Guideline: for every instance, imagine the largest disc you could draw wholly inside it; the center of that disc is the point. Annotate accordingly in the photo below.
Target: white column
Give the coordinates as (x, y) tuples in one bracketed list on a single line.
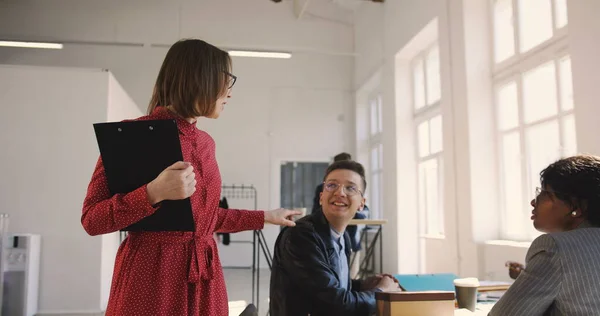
[(584, 26), (471, 175)]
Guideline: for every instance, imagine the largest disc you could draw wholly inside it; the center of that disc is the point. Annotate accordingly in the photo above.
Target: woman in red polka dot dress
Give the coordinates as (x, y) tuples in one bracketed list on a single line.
[(176, 273)]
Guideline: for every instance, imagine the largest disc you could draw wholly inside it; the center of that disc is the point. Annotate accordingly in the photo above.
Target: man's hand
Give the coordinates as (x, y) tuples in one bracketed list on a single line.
[(387, 283), (372, 282)]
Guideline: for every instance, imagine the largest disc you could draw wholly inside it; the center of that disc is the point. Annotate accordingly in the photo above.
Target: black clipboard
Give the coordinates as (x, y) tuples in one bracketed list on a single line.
[(135, 153)]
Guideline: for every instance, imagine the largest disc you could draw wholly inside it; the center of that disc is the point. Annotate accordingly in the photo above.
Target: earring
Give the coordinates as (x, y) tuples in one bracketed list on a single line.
[(574, 213)]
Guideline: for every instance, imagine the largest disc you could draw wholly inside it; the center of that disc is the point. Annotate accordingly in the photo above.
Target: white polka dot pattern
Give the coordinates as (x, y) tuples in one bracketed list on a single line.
[(168, 273)]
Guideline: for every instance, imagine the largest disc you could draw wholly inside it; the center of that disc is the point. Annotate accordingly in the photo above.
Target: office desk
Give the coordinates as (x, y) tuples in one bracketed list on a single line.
[(370, 250), (482, 309)]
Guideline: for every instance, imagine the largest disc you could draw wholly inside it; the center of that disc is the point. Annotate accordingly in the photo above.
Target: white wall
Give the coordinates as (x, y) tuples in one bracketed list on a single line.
[(48, 154), (382, 32), (585, 64), (120, 107), (471, 179), (369, 42)]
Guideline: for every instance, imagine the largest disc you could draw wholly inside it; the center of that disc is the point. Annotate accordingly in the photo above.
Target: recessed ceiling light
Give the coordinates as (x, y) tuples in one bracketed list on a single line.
[(244, 53), (31, 44)]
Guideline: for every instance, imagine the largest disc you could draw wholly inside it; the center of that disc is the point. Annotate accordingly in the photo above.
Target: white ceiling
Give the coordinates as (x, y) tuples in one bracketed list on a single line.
[(336, 11), (348, 4)]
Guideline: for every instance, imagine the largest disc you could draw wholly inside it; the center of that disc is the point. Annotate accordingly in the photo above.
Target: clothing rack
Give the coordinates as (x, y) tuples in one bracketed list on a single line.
[(259, 242)]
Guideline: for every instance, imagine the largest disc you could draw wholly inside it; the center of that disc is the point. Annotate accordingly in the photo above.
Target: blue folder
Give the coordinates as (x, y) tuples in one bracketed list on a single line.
[(427, 282)]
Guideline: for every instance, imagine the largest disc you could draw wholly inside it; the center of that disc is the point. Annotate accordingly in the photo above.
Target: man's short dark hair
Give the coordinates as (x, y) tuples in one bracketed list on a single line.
[(348, 165), (576, 181), (342, 156)]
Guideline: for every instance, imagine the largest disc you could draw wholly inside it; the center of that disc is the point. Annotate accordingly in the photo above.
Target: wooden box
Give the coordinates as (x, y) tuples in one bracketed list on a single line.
[(434, 303)]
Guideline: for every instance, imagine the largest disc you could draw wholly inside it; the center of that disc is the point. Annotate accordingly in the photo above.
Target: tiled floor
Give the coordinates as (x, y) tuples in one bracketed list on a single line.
[(239, 288)]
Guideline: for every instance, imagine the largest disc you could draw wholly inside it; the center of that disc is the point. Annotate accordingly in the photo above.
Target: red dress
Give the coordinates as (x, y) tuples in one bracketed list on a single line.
[(168, 273)]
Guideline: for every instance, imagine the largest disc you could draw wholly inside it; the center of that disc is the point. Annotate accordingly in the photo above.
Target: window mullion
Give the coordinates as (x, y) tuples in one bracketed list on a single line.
[(425, 79), (558, 75), (412, 86), (553, 11), (523, 141), (440, 200), (516, 27), (425, 208)]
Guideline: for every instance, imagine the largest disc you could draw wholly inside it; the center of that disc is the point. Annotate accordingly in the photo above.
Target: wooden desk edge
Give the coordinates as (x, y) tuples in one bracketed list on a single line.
[(368, 221)]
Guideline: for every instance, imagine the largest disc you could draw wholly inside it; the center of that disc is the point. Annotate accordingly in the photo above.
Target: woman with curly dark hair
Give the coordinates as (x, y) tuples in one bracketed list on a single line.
[(562, 273)]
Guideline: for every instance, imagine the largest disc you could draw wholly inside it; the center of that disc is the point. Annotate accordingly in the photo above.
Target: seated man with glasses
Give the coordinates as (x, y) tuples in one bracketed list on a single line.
[(310, 272)]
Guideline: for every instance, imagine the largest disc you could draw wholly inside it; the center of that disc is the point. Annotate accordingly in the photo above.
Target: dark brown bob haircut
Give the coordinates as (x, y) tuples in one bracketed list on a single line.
[(192, 77)]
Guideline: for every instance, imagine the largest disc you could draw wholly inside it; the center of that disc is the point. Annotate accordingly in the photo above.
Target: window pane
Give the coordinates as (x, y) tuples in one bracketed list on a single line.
[(422, 192), (428, 174), (560, 7), (380, 154), (440, 195), (504, 38), (434, 91), (423, 135), (539, 93), (543, 146), (374, 207), (432, 197), (508, 106), (418, 85), (535, 23), (373, 114), (435, 130), (362, 123), (380, 113), (569, 136), (374, 159), (512, 185), (566, 84), (380, 196)]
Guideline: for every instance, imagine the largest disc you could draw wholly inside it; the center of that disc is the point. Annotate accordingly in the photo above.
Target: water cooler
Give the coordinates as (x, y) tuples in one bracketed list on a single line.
[(21, 274)]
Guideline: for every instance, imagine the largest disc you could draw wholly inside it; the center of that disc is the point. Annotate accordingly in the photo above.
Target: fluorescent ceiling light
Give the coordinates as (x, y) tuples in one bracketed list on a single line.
[(31, 44), (244, 53)]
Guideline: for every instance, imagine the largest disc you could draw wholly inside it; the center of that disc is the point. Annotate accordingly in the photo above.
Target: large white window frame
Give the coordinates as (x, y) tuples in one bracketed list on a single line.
[(532, 92), (559, 30), (426, 100), (375, 180)]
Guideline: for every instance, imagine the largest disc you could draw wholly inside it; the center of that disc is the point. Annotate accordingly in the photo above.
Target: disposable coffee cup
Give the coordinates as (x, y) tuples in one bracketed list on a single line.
[(466, 293)]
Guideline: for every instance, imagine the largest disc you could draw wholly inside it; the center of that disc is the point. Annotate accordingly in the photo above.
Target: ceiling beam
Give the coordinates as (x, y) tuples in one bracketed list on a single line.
[(300, 7)]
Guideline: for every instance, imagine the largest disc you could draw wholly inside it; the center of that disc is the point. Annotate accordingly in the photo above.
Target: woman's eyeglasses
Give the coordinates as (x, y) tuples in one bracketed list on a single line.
[(231, 81), (539, 193)]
